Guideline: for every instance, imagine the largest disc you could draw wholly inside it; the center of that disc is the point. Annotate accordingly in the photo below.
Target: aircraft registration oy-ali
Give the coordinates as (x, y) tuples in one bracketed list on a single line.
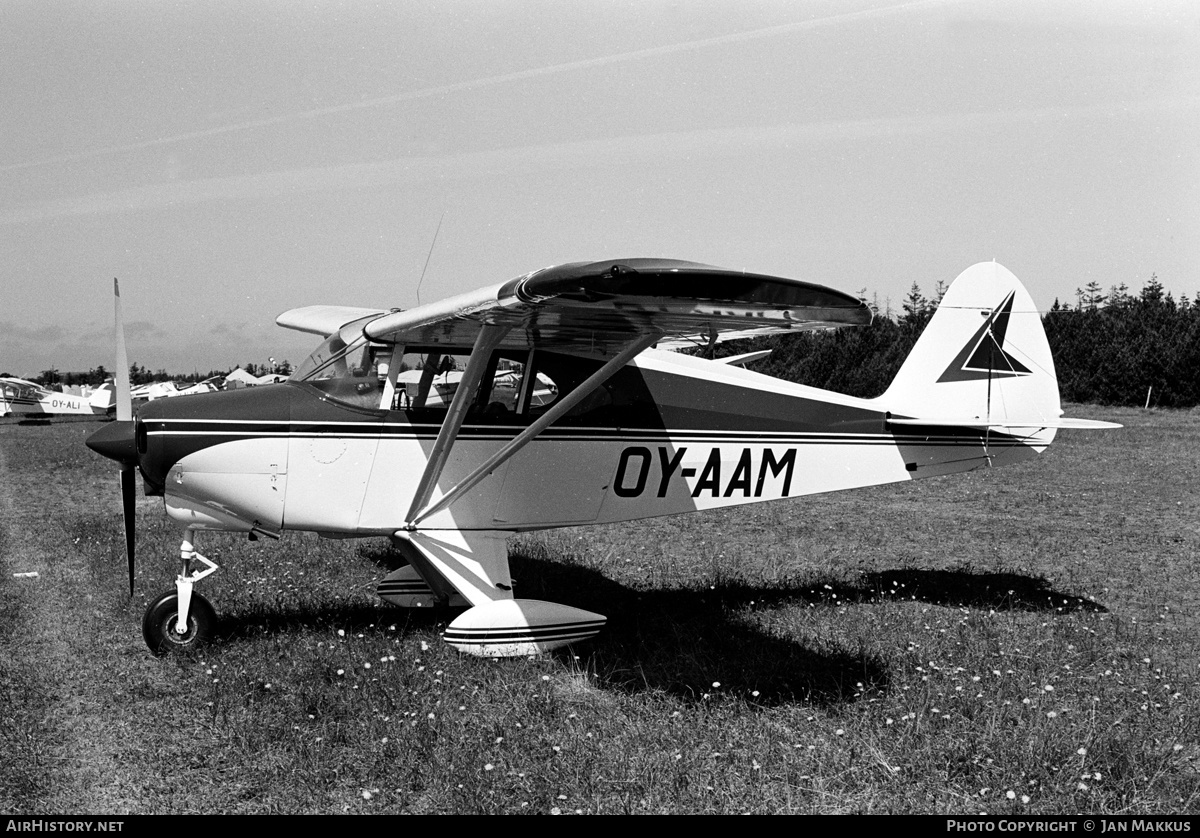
[(555, 400), (19, 397)]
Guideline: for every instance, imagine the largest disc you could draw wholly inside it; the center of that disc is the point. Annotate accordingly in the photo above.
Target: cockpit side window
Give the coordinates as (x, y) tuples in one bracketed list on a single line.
[(621, 401), (429, 378)]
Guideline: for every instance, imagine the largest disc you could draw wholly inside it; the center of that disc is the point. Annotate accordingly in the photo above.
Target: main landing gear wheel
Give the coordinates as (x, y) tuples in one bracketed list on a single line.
[(158, 626)]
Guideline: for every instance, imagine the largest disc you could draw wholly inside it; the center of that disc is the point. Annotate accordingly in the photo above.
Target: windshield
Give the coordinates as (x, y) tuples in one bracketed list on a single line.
[(347, 367)]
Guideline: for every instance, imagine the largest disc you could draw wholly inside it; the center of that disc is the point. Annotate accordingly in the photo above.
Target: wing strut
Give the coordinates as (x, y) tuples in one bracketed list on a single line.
[(489, 338), (557, 410)]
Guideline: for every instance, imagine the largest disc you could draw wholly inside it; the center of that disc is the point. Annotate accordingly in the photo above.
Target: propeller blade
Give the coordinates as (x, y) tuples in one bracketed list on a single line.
[(121, 374), (128, 510)]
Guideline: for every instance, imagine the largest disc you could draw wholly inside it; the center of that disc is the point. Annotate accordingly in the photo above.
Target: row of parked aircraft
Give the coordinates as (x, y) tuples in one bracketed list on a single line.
[(549, 401), (19, 397)]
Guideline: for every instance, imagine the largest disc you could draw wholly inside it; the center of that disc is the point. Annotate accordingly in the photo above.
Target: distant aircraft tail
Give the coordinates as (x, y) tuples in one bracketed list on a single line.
[(983, 361), (103, 398)]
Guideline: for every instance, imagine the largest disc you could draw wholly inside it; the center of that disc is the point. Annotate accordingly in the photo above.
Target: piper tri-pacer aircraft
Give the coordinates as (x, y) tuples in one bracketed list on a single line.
[(18, 396), (620, 430)]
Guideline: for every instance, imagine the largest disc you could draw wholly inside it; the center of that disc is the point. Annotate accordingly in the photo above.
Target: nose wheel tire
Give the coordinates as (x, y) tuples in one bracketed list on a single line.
[(162, 617)]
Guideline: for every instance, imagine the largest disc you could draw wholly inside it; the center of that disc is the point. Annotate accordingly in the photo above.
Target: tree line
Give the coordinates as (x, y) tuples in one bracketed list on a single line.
[(139, 375), (1113, 348)]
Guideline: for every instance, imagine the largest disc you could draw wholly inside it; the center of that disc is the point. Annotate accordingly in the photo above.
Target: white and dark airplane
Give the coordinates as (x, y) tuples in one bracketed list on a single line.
[(21, 397), (563, 413), (171, 389)]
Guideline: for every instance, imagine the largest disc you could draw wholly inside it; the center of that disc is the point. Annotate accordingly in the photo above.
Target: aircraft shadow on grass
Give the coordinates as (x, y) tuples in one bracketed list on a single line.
[(682, 641)]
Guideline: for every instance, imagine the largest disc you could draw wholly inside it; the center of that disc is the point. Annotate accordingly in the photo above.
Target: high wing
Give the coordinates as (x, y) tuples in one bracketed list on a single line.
[(602, 307), (322, 320)]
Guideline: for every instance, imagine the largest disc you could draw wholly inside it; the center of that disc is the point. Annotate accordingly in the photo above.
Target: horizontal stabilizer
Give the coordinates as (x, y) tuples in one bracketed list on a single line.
[(977, 422), (744, 358)]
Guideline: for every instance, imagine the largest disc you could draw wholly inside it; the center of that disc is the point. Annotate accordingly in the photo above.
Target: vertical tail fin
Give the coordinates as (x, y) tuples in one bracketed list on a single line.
[(983, 359)]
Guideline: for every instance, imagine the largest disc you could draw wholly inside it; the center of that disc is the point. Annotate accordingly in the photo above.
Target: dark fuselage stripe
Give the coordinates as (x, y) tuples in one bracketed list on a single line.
[(973, 440)]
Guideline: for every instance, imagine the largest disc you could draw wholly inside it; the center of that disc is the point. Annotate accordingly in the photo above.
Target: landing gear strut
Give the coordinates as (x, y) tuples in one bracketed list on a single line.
[(181, 620)]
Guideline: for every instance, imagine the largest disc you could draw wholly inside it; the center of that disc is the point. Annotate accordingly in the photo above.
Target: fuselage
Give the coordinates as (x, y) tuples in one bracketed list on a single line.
[(18, 396), (665, 435)]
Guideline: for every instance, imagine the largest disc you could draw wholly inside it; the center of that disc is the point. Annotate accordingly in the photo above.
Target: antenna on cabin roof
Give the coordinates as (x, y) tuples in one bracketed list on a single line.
[(427, 258)]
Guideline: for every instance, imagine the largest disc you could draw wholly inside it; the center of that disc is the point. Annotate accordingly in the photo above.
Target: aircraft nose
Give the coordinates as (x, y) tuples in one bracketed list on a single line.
[(117, 441)]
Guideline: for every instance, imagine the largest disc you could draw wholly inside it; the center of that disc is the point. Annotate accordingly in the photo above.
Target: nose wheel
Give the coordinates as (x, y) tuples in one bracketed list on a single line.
[(160, 626), (181, 620)]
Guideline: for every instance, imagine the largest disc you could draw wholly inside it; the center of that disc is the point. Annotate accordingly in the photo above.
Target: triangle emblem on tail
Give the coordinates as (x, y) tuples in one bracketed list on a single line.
[(983, 356)]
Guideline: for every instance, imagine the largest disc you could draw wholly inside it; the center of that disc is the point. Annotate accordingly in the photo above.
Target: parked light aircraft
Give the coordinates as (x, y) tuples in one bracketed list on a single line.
[(361, 442), (18, 396), (171, 389)]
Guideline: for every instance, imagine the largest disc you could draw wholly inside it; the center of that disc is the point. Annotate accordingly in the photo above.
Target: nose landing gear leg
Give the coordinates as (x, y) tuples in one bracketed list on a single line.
[(181, 619)]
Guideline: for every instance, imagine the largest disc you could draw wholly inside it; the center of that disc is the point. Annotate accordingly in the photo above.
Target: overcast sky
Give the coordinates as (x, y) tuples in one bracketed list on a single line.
[(230, 160)]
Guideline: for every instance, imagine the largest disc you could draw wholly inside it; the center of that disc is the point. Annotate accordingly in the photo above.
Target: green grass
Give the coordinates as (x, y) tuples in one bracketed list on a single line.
[(929, 647)]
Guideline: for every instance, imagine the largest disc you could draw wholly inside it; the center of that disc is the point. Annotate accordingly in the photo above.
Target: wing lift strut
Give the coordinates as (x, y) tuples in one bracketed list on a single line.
[(488, 339), (473, 564)]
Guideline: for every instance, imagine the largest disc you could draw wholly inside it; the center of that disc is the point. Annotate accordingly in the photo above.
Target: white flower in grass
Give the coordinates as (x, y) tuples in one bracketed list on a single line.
[(1010, 794), (488, 766)]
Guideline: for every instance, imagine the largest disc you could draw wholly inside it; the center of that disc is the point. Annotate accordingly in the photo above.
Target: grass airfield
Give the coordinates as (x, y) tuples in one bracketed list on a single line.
[(1013, 641)]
